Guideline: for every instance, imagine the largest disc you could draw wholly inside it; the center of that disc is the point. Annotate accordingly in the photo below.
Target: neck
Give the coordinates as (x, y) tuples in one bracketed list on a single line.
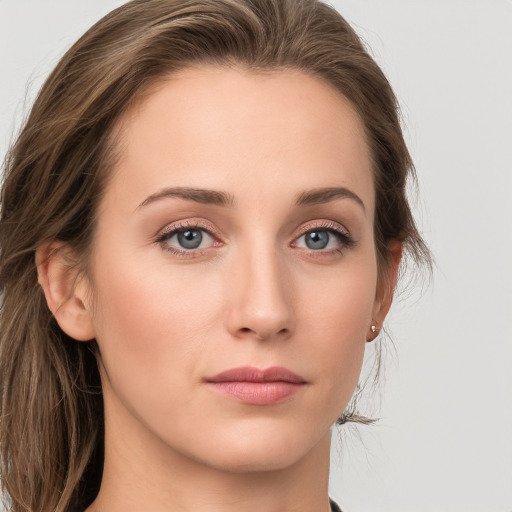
[(141, 475)]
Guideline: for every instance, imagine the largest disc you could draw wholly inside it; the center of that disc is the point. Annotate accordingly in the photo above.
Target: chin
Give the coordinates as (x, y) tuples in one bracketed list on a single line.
[(253, 461), (260, 450)]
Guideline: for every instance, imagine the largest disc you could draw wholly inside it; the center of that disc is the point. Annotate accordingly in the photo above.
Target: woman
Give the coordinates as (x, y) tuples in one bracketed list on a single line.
[(202, 225)]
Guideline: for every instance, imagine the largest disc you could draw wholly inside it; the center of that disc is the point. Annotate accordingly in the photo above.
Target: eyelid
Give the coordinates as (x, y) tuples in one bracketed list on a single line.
[(183, 225), (327, 225)]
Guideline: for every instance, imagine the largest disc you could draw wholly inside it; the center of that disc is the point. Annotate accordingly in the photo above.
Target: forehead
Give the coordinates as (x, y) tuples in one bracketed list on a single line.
[(214, 127)]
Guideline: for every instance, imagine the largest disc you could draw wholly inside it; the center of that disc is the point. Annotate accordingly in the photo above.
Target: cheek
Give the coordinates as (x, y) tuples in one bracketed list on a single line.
[(336, 317), (342, 301), (152, 326)]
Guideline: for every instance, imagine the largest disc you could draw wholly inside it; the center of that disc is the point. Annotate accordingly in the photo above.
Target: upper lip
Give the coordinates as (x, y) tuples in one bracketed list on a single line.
[(250, 374)]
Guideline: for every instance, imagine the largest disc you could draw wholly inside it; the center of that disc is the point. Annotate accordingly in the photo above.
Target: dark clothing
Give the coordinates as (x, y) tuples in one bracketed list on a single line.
[(334, 507)]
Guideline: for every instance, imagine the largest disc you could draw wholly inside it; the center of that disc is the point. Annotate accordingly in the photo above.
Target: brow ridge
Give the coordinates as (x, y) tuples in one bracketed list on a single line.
[(220, 198), (327, 194), (199, 195)]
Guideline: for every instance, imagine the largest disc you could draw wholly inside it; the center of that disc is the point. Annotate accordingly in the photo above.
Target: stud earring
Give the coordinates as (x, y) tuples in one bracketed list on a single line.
[(374, 333)]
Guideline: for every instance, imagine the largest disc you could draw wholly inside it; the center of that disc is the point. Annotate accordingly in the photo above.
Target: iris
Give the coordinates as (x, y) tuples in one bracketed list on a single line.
[(190, 239), (317, 239)]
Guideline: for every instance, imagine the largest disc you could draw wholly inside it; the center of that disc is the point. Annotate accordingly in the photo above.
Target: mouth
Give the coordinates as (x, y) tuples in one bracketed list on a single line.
[(257, 387)]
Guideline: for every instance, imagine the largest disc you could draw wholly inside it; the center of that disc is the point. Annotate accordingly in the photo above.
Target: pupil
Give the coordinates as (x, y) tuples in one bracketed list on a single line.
[(317, 239), (190, 239)]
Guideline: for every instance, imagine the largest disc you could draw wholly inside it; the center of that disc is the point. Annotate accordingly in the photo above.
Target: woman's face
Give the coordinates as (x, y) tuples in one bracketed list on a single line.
[(236, 234)]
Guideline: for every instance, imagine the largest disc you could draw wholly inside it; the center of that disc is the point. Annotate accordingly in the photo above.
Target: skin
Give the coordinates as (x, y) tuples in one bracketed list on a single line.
[(253, 294)]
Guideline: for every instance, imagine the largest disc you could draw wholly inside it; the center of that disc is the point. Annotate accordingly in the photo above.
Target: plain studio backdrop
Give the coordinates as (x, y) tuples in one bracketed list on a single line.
[(444, 443)]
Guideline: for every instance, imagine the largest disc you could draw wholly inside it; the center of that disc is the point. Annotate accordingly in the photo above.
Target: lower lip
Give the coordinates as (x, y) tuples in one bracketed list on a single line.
[(257, 393)]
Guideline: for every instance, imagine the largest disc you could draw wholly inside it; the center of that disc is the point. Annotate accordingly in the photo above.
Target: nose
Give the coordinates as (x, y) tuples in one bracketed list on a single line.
[(261, 298)]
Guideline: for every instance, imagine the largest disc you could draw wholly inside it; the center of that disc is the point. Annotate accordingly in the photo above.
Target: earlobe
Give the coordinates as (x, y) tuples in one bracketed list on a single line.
[(386, 289), (63, 291)]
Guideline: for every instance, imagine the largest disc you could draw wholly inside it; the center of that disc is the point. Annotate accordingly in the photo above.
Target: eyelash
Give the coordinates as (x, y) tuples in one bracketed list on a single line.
[(344, 237)]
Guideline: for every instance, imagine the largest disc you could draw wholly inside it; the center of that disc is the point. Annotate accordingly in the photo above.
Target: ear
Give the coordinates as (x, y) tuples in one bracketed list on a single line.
[(64, 291), (385, 289)]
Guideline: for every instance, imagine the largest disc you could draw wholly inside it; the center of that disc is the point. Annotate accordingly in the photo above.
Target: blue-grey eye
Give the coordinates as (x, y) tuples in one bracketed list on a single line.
[(317, 239), (183, 240), (190, 239)]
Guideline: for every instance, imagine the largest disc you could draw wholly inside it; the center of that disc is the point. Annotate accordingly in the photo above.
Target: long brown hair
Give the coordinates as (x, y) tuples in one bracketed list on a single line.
[(51, 430)]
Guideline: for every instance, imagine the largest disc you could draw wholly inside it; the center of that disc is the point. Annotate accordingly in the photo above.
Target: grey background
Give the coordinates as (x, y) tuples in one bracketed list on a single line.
[(445, 439)]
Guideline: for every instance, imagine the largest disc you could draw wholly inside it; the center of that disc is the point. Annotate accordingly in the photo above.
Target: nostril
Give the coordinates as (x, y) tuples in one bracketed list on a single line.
[(262, 334)]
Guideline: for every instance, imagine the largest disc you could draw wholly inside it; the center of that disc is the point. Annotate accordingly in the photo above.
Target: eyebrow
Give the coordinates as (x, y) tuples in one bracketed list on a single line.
[(327, 194), (199, 195), (219, 198)]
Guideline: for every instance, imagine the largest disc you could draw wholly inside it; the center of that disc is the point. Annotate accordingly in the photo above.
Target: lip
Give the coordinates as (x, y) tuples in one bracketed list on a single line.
[(257, 387)]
